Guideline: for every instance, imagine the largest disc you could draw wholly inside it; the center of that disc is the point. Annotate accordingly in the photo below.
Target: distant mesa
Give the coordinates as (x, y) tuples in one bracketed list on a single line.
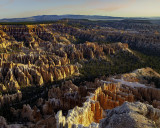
[(43, 18)]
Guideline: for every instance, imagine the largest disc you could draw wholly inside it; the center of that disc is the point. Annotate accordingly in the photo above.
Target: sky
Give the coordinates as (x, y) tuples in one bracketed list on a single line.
[(120, 8)]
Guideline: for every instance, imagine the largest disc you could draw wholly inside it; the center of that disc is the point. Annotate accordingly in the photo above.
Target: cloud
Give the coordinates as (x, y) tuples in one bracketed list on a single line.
[(116, 6)]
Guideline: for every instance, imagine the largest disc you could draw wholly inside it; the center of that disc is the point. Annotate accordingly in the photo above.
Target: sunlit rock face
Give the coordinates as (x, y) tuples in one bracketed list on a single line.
[(36, 55), (18, 75), (106, 96), (40, 54)]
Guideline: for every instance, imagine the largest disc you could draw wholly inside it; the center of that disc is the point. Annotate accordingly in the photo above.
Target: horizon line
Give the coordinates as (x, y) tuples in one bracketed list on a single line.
[(83, 15)]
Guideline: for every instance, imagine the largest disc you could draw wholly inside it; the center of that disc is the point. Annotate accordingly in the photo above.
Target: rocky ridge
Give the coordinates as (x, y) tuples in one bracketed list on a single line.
[(96, 101)]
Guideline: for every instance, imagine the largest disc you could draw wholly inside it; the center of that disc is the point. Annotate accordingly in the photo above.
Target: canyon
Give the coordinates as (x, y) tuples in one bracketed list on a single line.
[(45, 80)]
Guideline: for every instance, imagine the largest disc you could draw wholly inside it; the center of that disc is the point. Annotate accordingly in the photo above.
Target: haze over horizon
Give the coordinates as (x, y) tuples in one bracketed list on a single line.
[(120, 8)]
